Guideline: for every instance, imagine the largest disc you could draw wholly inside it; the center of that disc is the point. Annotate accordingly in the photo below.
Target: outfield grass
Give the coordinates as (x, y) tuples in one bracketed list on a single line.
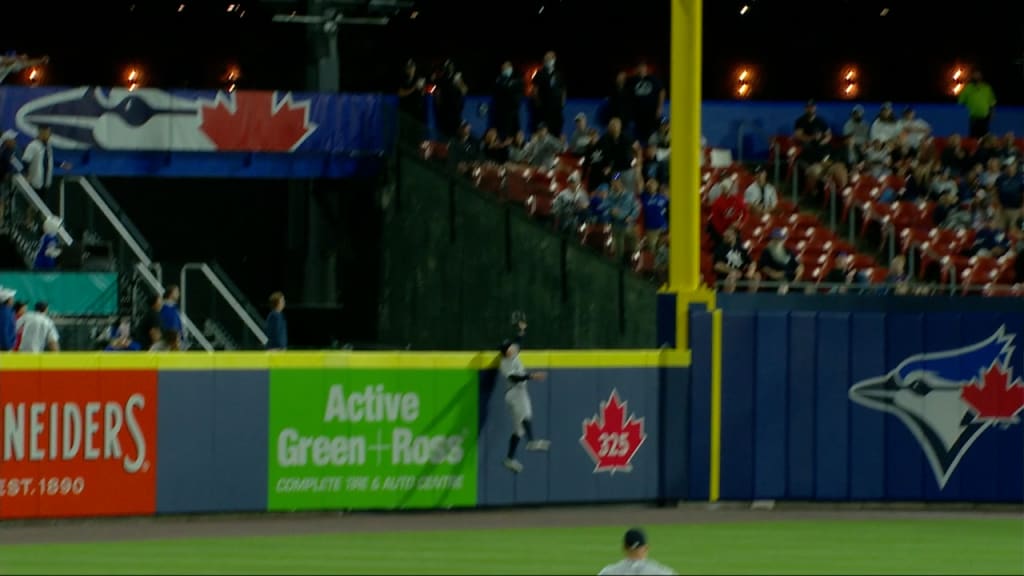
[(973, 546)]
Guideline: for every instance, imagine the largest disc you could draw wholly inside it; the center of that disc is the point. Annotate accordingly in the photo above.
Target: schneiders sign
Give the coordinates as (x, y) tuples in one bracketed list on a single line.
[(374, 405), (372, 439)]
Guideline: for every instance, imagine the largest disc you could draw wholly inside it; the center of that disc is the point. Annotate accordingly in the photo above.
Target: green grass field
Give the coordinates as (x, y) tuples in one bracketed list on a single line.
[(978, 546)]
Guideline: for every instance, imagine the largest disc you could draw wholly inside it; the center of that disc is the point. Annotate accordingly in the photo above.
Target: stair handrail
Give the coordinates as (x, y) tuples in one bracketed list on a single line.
[(157, 287), (41, 206), (219, 286)]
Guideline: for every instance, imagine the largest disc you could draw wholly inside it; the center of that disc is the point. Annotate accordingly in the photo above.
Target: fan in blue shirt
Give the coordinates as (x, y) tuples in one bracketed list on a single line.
[(655, 203)]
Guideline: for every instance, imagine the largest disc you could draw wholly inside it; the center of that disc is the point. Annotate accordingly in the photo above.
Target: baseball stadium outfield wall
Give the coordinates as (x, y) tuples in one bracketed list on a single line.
[(866, 398), (89, 434)]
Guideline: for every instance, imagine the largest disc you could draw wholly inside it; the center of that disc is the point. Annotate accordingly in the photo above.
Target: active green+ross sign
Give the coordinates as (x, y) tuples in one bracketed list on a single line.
[(372, 439)]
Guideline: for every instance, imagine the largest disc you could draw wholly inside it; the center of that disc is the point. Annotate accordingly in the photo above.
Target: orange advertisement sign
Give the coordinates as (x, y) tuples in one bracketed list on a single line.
[(77, 443)]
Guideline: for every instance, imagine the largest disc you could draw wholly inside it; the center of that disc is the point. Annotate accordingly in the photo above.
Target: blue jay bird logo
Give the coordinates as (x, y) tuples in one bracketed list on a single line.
[(948, 399)]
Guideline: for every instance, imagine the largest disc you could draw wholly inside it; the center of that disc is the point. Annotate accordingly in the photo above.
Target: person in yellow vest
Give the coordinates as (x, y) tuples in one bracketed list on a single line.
[(979, 99)]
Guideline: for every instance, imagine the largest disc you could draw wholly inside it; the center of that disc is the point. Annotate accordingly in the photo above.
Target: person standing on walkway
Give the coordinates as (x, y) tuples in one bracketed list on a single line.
[(979, 99), (277, 326)]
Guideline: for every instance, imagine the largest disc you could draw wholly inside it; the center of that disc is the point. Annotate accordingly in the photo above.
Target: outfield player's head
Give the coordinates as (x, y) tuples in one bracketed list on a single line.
[(635, 544), (509, 349)]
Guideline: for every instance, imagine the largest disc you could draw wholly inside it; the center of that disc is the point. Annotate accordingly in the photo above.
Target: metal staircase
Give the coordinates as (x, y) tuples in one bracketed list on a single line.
[(215, 315)]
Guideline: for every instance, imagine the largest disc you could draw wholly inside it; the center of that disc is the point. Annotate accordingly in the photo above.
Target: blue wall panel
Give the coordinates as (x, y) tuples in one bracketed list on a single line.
[(905, 465), (867, 427), (213, 441), (832, 406), (676, 434), (803, 364), (185, 433), (737, 471), (772, 362), (700, 406), (241, 403)]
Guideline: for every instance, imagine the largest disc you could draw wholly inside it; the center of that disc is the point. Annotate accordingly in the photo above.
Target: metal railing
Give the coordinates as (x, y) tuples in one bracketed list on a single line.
[(221, 287)]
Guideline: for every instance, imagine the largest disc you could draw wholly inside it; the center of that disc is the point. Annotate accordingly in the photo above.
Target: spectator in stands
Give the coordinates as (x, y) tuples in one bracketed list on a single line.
[(277, 325), (878, 159), (954, 156), (885, 127), (620, 103), (38, 332), (991, 239), (543, 148), (493, 148), (517, 149), (121, 340), (841, 275), (9, 166), (148, 331), (778, 263), (170, 341), (897, 280), (726, 211), (49, 246), (993, 170), (1010, 149), (506, 101), (979, 99), (463, 149), (856, 132), (988, 148), (572, 204), (613, 153), (20, 309), (647, 96), (951, 213), (8, 327), (761, 196), (583, 136), (914, 129), (659, 146), (14, 62), (549, 96), (411, 98), (655, 202), (600, 206), (943, 184), (170, 316), (38, 158), (732, 263), (450, 99), (623, 209), (727, 184), (814, 136), (1010, 187)]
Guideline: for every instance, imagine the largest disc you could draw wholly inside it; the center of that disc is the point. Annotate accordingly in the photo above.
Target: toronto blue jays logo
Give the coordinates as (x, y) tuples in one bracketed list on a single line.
[(949, 399)]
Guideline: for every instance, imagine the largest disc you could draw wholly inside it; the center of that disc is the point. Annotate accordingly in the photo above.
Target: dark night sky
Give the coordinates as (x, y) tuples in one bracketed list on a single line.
[(799, 46)]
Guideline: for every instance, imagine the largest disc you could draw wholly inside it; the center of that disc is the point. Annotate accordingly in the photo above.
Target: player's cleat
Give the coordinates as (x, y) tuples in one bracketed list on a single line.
[(513, 465), (538, 445)]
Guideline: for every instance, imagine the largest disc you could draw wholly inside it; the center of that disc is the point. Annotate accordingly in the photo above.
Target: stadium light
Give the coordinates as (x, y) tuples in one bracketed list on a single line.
[(745, 77), (34, 76), (849, 82), (958, 76), (133, 78)]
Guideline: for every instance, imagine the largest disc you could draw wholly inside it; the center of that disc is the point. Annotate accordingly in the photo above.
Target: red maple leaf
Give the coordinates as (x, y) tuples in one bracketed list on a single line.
[(610, 438), (996, 399), (251, 122)]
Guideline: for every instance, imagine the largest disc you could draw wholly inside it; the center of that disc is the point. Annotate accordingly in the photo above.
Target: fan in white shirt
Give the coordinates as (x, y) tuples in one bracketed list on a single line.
[(761, 195), (885, 128), (915, 129), (38, 333)]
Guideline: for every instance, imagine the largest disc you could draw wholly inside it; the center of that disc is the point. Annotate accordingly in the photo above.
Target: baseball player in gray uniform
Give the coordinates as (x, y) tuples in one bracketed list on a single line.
[(517, 398), (636, 561)]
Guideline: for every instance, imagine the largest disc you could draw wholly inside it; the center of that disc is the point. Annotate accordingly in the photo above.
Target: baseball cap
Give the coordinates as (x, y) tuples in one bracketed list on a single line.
[(505, 345), (8, 135), (858, 109), (581, 116), (7, 294), (635, 538), (886, 105)]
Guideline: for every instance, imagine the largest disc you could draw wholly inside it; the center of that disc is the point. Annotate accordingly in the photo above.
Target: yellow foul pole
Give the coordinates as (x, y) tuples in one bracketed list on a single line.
[(684, 162)]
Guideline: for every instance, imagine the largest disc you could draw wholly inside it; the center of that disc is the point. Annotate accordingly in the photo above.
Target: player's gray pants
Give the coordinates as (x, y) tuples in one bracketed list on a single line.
[(517, 400)]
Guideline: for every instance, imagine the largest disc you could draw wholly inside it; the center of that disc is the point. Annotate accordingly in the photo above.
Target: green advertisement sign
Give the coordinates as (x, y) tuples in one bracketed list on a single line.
[(372, 439)]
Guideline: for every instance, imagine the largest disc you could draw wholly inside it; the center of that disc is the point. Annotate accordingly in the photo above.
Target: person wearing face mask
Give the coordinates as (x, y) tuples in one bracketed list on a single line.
[(505, 103), (549, 96)]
